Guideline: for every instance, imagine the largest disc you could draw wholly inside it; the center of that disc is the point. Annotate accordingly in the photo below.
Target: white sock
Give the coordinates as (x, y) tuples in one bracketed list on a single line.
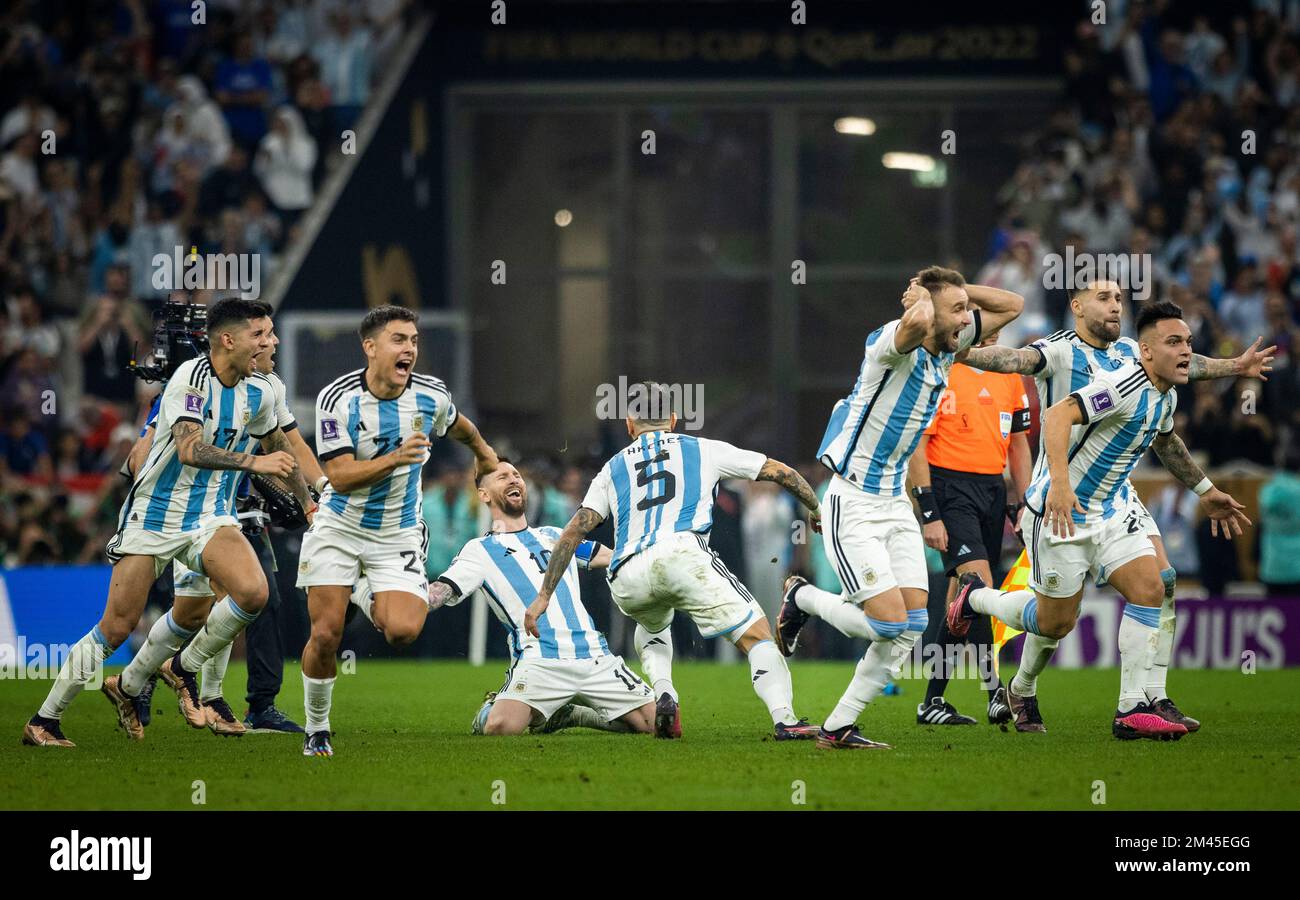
[(1019, 609), (656, 652), (1155, 686), (1034, 657), (165, 638), (846, 617), (364, 598), (1137, 651), (869, 679), (318, 693), (84, 665), (901, 650), (214, 671), (771, 679), (585, 717), (224, 624)]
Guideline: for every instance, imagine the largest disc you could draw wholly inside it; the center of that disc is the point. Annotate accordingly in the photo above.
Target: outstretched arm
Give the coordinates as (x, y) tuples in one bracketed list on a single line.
[(561, 554), (1225, 513), (798, 487), (1025, 361), (1253, 363), (464, 431)]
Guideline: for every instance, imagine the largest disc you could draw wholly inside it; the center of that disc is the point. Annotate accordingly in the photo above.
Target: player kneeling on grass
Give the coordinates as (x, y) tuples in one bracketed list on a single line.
[(1079, 519), (660, 490), (566, 659)]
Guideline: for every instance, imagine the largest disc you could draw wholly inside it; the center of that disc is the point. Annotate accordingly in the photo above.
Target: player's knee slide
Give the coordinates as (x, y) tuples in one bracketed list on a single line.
[(887, 630), (1169, 578)]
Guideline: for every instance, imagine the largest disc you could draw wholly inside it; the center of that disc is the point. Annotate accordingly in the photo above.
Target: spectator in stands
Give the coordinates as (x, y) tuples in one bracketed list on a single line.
[(284, 164), (226, 185), (18, 168), (107, 342), (29, 328), (206, 133), (24, 451), (345, 59), (1242, 308), (1279, 529), (243, 87)]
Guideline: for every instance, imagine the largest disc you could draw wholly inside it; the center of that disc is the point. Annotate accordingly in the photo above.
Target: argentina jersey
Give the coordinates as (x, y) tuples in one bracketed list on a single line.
[(874, 431), (168, 497), (1068, 364), (663, 483), (508, 567), (350, 419), (1122, 414)]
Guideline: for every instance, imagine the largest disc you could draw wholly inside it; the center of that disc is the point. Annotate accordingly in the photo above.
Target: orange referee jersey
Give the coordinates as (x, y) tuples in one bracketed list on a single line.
[(977, 416)]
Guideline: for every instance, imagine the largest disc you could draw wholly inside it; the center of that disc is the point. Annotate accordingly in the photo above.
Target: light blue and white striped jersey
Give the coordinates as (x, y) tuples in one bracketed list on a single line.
[(509, 567), (873, 432), (663, 483), (1122, 413), (350, 419), (169, 497), (1068, 364)]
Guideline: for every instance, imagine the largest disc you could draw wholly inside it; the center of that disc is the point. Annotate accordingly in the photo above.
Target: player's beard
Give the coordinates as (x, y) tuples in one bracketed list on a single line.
[(1104, 332), (512, 507)]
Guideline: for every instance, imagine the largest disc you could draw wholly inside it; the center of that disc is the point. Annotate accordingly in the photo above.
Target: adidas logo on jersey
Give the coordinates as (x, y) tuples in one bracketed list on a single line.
[(985, 397), (963, 551)]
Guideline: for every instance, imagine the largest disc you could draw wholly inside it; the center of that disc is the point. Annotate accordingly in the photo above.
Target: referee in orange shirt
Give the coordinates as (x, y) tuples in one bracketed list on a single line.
[(957, 478)]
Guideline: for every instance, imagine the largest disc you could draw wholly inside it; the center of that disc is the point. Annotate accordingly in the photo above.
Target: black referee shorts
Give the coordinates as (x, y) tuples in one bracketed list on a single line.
[(973, 509)]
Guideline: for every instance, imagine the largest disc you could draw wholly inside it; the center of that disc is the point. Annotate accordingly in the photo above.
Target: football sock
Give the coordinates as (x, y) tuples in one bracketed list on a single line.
[(656, 652), (317, 695), (224, 623), (214, 671), (1155, 686), (165, 638), (1034, 657), (948, 650), (1138, 630), (84, 664), (981, 635), (585, 717), (1019, 609), (364, 597), (847, 617), (869, 678), (771, 679)]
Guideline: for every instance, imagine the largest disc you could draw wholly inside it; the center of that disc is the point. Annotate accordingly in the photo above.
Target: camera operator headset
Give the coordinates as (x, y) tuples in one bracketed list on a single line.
[(179, 336)]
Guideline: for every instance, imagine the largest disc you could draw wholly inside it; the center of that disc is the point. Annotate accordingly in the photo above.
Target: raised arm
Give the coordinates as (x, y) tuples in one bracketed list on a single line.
[(561, 555), (997, 307), (464, 431), (1025, 361), (1253, 363), (918, 318), (797, 486), (1225, 513)]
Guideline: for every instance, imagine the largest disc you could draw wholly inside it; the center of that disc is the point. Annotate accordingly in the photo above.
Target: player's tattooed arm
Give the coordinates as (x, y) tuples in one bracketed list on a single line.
[(561, 554), (277, 442), (1253, 363), (441, 594), (1227, 516), (1025, 361), (778, 472), (193, 451)]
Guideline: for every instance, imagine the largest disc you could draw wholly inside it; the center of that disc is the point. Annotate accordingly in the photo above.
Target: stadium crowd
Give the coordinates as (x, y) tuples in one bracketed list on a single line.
[(1178, 138)]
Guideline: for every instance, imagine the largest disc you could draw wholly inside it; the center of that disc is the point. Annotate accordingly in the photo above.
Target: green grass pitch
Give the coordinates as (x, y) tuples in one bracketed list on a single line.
[(403, 742)]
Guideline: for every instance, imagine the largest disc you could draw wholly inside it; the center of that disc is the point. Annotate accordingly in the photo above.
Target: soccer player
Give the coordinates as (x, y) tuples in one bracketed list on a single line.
[(181, 506), (872, 538), (1066, 361), (566, 658), (194, 597), (372, 437), (660, 491), (1079, 517), (956, 475)]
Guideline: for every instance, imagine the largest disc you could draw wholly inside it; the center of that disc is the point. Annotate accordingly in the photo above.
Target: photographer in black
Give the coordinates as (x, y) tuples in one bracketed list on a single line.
[(259, 504)]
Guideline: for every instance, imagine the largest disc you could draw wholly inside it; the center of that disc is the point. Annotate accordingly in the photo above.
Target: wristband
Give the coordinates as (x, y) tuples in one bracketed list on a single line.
[(925, 499), (319, 487), (1203, 486)]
